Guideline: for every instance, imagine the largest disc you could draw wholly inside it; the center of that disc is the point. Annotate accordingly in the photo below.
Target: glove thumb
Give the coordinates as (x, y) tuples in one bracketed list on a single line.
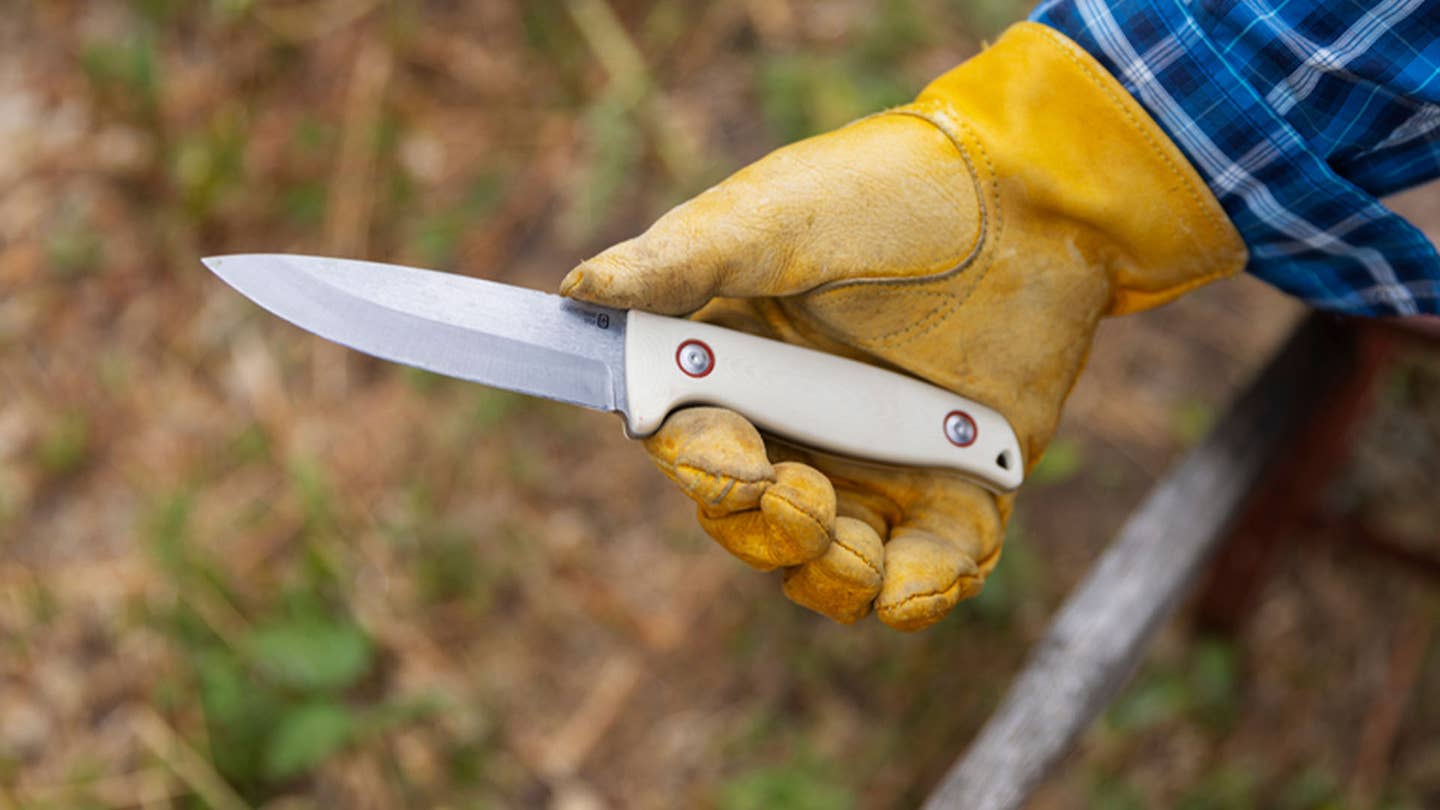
[(705, 248), (829, 208)]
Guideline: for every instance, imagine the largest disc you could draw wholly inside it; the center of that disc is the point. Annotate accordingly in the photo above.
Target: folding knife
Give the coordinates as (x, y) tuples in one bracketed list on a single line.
[(641, 365)]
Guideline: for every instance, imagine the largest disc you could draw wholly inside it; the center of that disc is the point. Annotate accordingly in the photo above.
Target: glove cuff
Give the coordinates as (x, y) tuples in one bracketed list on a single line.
[(1068, 140)]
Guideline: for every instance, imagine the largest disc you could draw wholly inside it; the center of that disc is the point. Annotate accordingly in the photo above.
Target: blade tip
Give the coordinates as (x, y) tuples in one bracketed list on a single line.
[(220, 263)]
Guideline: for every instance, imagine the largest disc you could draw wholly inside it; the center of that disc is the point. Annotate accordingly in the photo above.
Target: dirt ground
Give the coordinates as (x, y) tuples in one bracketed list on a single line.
[(243, 568)]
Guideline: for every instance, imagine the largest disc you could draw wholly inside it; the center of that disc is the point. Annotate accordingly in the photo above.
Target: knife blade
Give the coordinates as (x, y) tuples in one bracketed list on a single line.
[(635, 363)]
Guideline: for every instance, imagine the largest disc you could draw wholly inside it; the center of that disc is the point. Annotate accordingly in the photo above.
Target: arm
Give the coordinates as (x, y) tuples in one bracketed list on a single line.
[(1298, 115)]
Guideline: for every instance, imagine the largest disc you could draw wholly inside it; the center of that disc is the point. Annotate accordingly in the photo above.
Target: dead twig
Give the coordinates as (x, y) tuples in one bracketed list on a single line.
[(352, 192), (613, 686), (1383, 720), (559, 756), (458, 56), (136, 789), (634, 87), (190, 767), (311, 21)]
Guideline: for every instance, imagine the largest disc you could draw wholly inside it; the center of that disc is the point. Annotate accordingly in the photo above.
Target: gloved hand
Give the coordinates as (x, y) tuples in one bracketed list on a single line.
[(973, 238)]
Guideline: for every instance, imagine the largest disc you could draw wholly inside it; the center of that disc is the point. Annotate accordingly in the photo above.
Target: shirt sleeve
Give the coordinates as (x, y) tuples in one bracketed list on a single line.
[(1299, 114)]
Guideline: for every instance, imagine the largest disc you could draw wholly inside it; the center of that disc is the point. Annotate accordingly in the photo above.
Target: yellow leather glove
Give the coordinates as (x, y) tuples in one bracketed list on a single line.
[(973, 238)]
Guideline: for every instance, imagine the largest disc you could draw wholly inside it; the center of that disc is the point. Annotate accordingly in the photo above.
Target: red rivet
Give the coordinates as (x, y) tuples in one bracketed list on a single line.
[(960, 429), (695, 358)]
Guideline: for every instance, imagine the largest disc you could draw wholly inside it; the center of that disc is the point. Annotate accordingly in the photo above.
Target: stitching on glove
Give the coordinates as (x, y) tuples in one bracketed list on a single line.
[(697, 468), (729, 485), (667, 468), (954, 586), (943, 121), (937, 314), (772, 492), (927, 324), (914, 111), (1197, 202), (922, 326), (857, 555), (987, 562)]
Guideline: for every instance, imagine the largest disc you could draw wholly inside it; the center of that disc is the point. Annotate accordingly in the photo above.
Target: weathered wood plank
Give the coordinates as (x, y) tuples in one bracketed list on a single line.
[(1099, 636)]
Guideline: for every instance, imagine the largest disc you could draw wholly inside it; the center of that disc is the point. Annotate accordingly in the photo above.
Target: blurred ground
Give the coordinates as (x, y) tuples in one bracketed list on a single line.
[(239, 567)]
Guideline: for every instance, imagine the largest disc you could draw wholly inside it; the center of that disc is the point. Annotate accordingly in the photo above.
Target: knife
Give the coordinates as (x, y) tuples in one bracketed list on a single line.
[(641, 365)]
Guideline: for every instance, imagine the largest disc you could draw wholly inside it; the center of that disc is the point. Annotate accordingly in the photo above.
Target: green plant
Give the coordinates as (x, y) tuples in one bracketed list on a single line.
[(208, 166), (802, 94), (1019, 574), (1192, 420), (989, 17), (1230, 787), (801, 784), (1203, 687), (123, 73), (74, 247), (805, 94), (1061, 461), (614, 146), (282, 682), (1113, 793), (1313, 788), (65, 447), (436, 238)]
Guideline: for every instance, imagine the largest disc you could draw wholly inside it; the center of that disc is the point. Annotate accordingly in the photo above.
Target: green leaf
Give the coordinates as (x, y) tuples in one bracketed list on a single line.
[(1009, 585), (124, 69), (238, 716), (1159, 697), (896, 29), (1314, 788), (167, 529), (207, 165), (801, 95), (1229, 787), (614, 147), (797, 786), (74, 247), (309, 481), (1060, 462), (1214, 674), (987, 18), (312, 652), (304, 204), (493, 406), (64, 450), (305, 736), (1110, 793), (1192, 420)]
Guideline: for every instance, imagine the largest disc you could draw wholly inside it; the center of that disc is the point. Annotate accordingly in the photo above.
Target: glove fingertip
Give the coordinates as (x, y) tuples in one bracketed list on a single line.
[(715, 455), (630, 276), (844, 581), (719, 493), (570, 286), (924, 578), (592, 280)]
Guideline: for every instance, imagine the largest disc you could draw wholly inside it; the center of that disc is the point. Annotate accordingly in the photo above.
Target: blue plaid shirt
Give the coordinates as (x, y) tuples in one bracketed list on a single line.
[(1299, 114)]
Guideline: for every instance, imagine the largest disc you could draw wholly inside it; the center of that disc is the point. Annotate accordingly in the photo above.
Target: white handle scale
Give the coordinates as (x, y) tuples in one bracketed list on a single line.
[(816, 399)]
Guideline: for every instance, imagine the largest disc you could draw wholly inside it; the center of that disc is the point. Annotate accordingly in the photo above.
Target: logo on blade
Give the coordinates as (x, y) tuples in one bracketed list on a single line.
[(600, 320)]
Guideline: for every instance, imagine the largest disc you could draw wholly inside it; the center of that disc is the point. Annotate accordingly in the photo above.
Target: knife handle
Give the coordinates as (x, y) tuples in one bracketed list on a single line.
[(816, 399)]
